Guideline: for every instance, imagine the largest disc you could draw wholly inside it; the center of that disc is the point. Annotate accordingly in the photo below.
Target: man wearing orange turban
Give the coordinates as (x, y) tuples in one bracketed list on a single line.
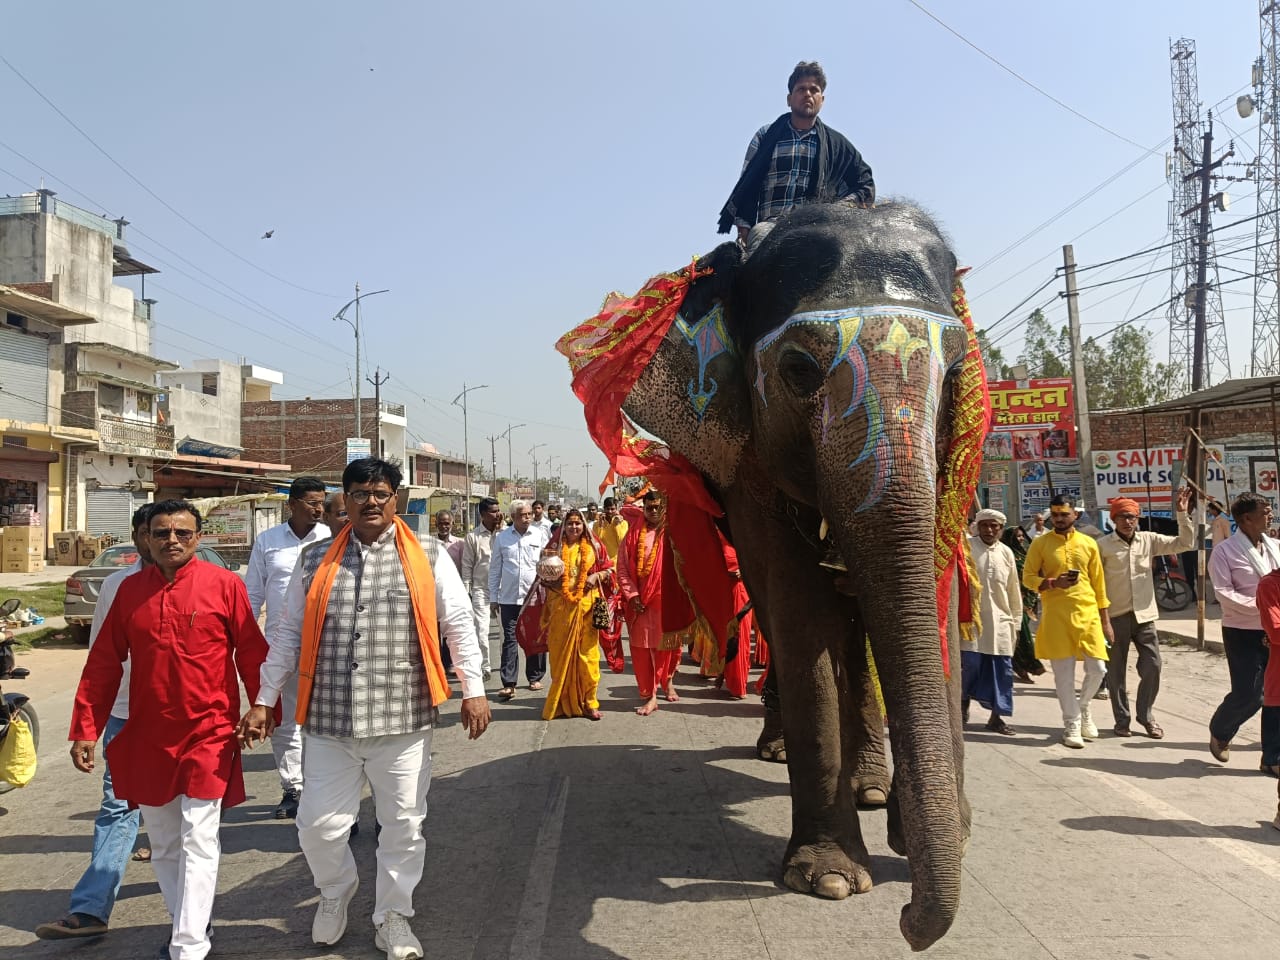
[(1126, 565)]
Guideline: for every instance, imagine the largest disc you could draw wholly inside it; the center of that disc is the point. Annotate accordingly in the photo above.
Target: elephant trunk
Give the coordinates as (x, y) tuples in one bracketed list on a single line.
[(897, 600)]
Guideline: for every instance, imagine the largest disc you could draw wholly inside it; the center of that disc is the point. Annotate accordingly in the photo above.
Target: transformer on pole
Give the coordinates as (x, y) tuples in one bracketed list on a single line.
[(1194, 262), (1265, 358)]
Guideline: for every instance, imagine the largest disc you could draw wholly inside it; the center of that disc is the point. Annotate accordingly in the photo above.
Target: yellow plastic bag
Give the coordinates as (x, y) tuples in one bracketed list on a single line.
[(18, 753)]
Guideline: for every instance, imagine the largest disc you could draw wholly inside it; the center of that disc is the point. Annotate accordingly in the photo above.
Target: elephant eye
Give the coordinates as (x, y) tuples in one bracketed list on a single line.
[(800, 371)]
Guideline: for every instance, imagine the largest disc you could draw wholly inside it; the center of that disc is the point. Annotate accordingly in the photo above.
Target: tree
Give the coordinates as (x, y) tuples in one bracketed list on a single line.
[(1122, 372), (1046, 352), (992, 358)]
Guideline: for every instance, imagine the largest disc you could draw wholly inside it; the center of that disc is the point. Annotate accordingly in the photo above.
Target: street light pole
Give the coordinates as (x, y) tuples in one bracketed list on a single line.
[(586, 490), (507, 433), (342, 315), (535, 467), (466, 449)]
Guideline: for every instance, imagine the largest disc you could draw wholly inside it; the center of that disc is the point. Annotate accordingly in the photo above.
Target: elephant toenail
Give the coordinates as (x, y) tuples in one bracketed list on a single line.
[(832, 886)]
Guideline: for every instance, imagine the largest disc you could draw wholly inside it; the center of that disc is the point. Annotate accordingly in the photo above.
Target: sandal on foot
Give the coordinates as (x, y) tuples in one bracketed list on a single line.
[(142, 855), (507, 693), (73, 925), (1154, 730), (1123, 731), (536, 685), (997, 725)]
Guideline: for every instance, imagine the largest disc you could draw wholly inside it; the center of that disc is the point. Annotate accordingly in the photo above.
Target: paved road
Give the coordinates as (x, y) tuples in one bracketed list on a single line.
[(661, 837)]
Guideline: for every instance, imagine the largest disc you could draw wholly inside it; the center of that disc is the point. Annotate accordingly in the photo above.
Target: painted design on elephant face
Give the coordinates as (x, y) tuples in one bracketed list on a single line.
[(901, 344), (709, 340)]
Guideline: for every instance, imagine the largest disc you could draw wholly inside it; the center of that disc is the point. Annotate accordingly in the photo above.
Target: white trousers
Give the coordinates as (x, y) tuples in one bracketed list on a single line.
[(481, 612), (286, 739), (398, 768), (1064, 682), (185, 849)]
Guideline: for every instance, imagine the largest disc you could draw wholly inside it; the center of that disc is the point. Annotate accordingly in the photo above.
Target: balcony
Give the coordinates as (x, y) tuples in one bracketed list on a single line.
[(134, 438)]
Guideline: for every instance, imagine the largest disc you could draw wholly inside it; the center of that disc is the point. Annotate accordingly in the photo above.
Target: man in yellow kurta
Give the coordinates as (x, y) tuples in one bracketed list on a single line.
[(611, 528), (1065, 568)]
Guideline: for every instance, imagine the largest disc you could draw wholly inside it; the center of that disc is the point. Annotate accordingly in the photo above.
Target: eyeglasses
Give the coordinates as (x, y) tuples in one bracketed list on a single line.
[(1127, 516), (168, 533), (379, 497)]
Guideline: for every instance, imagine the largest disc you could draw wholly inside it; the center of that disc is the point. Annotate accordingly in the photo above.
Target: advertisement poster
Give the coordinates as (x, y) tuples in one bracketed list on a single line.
[(228, 526), (1040, 480), (998, 497), (1250, 470), (1031, 420), (358, 448), (1148, 476)]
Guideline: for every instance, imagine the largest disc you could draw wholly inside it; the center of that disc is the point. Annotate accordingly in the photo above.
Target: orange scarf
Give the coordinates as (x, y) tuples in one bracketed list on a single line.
[(422, 594)]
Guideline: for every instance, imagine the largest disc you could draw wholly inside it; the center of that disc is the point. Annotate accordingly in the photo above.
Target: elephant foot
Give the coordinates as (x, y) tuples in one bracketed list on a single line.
[(771, 745), (872, 796), (826, 870)]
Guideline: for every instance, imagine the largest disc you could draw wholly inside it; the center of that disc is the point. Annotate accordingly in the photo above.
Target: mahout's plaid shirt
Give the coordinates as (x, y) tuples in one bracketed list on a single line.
[(370, 680), (787, 179)]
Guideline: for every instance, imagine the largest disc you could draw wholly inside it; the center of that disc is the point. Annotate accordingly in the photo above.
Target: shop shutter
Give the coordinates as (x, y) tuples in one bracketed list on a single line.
[(111, 512), (24, 376)]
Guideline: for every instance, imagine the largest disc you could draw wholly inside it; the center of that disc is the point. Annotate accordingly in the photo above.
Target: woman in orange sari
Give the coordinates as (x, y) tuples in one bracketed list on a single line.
[(573, 643)]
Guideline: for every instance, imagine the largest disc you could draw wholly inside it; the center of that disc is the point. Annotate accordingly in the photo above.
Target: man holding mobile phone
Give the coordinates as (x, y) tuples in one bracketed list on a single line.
[(1065, 568)]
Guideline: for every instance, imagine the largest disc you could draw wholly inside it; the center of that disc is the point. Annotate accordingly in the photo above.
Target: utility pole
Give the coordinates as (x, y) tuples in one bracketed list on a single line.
[(586, 490), (342, 315), (466, 449), (1084, 440), (493, 460), (511, 470), (532, 451), (377, 380), (1204, 174)]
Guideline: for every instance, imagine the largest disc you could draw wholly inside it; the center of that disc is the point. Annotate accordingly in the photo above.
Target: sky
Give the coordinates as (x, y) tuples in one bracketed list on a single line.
[(499, 168)]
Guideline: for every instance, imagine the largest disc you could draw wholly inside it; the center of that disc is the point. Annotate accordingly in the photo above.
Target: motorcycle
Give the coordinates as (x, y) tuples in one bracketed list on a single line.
[(14, 704)]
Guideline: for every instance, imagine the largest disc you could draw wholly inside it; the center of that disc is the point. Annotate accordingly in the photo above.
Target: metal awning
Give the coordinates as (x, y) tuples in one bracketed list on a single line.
[(1246, 392), (131, 355)]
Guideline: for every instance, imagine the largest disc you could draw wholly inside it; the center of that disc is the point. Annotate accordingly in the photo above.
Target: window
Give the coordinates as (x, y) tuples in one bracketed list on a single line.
[(111, 398), (209, 384)]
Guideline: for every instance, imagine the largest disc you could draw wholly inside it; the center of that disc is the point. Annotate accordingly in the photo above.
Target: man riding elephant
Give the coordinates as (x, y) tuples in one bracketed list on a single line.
[(828, 381)]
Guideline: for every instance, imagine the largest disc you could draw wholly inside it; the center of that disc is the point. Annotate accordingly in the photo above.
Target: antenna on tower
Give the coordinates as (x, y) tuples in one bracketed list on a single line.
[(1197, 334), (1266, 290)]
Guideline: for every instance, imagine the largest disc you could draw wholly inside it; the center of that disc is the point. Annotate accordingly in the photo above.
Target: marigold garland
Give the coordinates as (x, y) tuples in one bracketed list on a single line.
[(644, 565), (578, 559)]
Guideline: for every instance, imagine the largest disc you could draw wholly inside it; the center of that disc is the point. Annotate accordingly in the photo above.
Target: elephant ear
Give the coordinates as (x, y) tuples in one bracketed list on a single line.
[(665, 355)]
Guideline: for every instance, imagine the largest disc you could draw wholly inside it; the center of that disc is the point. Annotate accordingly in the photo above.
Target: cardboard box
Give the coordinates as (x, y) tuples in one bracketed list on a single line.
[(65, 549), (13, 549), (23, 564), (24, 535)]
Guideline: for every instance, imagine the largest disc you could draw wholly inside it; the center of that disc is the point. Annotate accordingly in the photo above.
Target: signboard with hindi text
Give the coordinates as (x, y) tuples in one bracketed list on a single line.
[(1031, 420), (1040, 480), (1148, 476)]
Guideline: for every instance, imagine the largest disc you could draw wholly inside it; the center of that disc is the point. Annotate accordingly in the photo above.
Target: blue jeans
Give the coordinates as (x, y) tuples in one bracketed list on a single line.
[(114, 831), (535, 667)]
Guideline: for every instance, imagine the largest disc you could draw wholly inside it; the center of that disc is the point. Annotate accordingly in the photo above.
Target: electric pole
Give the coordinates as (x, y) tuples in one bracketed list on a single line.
[(466, 449), (493, 461), (377, 380), (586, 490), (1084, 440), (1204, 174), (342, 315)]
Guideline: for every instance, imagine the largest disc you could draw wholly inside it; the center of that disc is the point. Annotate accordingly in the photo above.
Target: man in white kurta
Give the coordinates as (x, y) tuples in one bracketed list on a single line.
[(986, 664)]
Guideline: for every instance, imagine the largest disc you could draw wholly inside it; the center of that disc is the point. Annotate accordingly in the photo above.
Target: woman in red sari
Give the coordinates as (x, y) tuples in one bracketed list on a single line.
[(573, 643)]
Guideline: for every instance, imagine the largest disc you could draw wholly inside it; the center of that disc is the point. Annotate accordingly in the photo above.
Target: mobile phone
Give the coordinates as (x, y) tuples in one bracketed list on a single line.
[(1073, 574)]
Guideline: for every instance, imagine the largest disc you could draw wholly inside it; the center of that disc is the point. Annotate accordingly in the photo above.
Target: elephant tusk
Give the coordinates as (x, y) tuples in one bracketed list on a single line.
[(823, 529)]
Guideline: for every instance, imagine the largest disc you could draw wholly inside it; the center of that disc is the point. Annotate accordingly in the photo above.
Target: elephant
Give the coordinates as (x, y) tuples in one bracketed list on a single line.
[(814, 383)]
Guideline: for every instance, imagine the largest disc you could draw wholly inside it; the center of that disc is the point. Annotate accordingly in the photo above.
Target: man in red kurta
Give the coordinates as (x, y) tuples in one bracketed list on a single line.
[(187, 628), (640, 564), (737, 670)]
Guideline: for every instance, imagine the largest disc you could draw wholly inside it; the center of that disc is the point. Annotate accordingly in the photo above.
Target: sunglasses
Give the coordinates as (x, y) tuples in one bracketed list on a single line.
[(165, 535)]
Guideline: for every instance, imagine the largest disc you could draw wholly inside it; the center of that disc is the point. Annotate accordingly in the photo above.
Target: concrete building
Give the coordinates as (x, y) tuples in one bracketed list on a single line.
[(311, 435), (100, 375)]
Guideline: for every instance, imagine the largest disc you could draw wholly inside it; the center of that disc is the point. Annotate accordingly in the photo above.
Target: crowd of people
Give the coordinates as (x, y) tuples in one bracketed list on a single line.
[(368, 624)]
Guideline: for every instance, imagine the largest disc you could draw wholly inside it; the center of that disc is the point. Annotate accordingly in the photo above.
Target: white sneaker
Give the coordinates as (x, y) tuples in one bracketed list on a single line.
[(330, 922), (395, 937), (1088, 729), (1071, 735)]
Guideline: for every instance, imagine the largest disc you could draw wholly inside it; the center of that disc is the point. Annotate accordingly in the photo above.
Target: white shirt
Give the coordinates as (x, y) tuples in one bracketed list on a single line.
[(1235, 567), (514, 563), (453, 611), (107, 596), (544, 525), (477, 551), (1001, 601), (275, 554), (1127, 567)]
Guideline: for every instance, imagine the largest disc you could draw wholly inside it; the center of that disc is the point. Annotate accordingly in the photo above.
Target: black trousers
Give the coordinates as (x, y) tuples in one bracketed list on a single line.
[(1143, 636), (535, 667), (1247, 652)]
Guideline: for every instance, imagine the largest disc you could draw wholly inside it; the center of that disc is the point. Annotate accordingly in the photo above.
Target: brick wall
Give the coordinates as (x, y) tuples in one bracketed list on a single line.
[(309, 435), (1120, 431), (80, 409)]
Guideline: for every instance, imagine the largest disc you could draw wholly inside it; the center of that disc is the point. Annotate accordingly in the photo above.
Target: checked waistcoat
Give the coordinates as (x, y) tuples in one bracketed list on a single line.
[(370, 680)]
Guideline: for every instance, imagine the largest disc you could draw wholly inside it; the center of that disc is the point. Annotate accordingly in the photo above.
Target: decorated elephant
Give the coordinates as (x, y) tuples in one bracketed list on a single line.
[(827, 392)]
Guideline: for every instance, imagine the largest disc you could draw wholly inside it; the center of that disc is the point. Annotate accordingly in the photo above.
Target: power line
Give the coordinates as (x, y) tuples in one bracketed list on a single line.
[(1013, 73), (155, 196)]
